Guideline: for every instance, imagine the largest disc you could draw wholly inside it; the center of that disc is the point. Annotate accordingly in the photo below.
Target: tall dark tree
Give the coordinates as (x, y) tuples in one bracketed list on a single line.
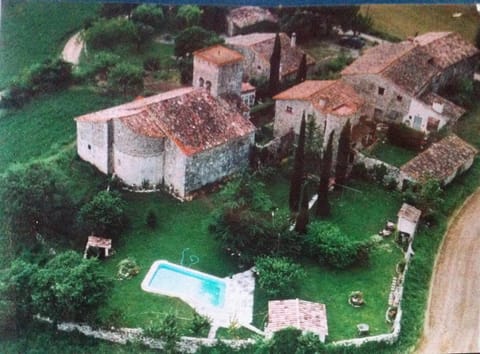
[(296, 180), (477, 38), (274, 81), (302, 70), (343, 154), (313, 145), (302, 219), (323, 205)]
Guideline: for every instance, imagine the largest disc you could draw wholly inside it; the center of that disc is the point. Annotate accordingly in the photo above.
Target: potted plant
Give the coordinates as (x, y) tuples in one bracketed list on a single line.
[(356, 299)]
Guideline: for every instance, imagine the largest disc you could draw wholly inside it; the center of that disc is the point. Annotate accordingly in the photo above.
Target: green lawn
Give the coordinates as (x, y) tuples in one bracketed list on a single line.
[(42, 127), (34, 30), (392, 154), (403, 21)]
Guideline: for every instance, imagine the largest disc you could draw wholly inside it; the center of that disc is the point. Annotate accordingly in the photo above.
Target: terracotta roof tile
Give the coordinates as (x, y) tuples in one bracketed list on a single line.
[(249, 15), (219, 55), (304, 315), (247, 87), (328, 96), (192, 118), (439, 161), (409, 213)]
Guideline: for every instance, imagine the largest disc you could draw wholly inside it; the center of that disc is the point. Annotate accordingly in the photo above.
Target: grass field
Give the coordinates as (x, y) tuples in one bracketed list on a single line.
[(394, 155), (406, 20), (34, 30)]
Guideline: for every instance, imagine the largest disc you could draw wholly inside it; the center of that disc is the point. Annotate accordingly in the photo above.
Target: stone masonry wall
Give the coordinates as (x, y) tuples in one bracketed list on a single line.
[(253, 65), (214, 164), (286, 120), (174, 169), (92, 144), (224, 79), (393, 109)]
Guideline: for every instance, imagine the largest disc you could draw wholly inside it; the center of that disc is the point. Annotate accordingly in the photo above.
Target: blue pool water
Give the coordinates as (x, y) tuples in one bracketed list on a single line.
[(185, 283)]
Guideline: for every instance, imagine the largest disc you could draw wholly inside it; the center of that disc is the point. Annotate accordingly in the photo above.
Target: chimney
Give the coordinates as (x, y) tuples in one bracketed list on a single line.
[(293, 40)]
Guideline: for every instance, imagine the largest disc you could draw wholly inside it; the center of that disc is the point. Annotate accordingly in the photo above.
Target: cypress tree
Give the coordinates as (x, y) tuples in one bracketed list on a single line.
[(275, 66), (296, 180), (302, 70), (303, 217), (323, 205), (343, 154)]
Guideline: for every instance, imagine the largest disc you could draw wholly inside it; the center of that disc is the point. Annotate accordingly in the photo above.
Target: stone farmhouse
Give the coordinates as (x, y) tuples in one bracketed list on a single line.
[(182, 139), (257, 49), (400, 81), (331, 102), (247, 19)]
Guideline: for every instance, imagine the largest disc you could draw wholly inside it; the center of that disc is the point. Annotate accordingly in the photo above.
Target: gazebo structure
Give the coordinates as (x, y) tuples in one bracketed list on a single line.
[(99, 243), (304, 315)]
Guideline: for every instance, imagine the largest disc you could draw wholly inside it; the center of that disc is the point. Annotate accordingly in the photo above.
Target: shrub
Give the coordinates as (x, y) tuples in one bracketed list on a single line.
[(409, 138), (127, 268), (199, 324), (167, 330), (326, 242), (151, 219), (278, 276), (107, 34), (104, 215), (285, 341)]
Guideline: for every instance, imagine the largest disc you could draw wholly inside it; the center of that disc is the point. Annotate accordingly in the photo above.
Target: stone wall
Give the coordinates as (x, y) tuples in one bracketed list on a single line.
[(174, 169), (253, 65), (214, 164), (393, 173), (223, 79), (92, 144), (288, 116), (391, 106)]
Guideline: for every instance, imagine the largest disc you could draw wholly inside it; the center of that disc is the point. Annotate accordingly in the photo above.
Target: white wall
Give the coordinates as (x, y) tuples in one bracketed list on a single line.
[(133, 170), (420, 109), (92, 143), (406, 226)]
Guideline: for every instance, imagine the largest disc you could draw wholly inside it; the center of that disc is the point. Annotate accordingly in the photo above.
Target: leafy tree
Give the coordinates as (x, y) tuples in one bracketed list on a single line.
[(274, 80), (199, 324), (427, 197), (296, 180), (111, 10), (188, 16), (168, 330), (343, 154), (323, 205), (246, 225), (151, 219), (285, 341), (150, 15), (302, 70), (194, 38), (104, 215), (35, 200), (103, 62), (67, 287), (214, 18), (326, 242), (107, 34), (278, 276), (126, 79)]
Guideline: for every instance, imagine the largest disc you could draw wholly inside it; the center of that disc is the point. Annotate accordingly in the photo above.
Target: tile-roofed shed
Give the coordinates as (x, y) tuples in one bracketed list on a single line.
[(441, 161), (219, 55), (410, 213), (192, 118), (304, 315)]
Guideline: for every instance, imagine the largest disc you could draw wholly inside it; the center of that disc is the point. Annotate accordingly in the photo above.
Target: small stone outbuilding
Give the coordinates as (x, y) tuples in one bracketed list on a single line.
[(408, 217), (304, 315), (442, 161), (247, 19)]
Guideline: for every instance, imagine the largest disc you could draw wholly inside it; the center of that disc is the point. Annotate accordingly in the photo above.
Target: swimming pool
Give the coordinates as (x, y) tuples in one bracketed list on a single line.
[(193, 287)]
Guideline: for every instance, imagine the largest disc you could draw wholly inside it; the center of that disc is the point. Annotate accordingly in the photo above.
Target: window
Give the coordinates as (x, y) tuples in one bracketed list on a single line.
[(381, 90), (89, 147), (208, 85), (432, 124), (259, 67), (417, 122), (399, 98), (377, 114), (289, 109), (201, 82)]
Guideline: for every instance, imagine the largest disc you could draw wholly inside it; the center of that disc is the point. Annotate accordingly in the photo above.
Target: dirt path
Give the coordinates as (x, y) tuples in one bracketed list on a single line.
[(452, 323), (73, 48)]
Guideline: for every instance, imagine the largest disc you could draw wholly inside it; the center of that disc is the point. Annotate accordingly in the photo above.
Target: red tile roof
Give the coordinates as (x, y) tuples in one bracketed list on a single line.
[(219, 55), (412, 64), (192, 118), (262, 44), (450, 109), (439, 161), (304, 315), (329, 96)]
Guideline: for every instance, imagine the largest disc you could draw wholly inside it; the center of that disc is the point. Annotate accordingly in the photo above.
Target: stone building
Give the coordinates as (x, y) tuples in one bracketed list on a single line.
[(331, 102), (182, 139), (247, 19), (257, 49), (399, 81)]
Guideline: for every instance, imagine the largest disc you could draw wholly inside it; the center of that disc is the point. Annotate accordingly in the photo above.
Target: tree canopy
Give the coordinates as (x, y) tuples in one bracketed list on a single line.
[(125, 79), (274, 80), (194, 38)]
